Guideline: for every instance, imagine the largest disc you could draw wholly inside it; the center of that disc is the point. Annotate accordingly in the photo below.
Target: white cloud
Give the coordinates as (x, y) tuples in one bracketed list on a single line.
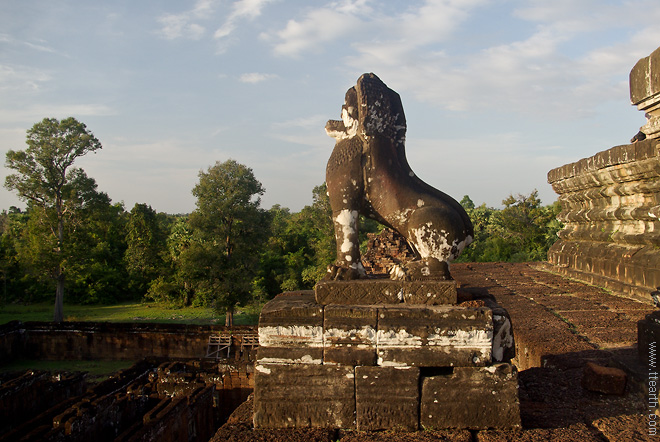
[(434, 21), (41, 47), (16, 78), (368, 29), (256, 77), (186, 24), (557, 69), (179, 26), (319, 26), (241, 9)]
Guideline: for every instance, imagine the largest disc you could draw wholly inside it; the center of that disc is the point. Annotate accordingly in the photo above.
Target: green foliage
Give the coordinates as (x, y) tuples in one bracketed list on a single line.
[(523, 230), (300, 248), (97, 273), (215, 252), (227, 253), (56, 191), (146, 247)]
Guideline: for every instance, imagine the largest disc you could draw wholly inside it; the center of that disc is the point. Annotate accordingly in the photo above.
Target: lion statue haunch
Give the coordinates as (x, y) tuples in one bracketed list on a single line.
[(368, 174)]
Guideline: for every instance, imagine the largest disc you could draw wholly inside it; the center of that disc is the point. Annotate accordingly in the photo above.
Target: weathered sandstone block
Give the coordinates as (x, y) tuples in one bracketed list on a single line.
[(291, 330), (607, 380), (385, 291), (350, 335), (387, 397), (304, 396), (645, 91), (310, 352), (434, 336), (471, 397)]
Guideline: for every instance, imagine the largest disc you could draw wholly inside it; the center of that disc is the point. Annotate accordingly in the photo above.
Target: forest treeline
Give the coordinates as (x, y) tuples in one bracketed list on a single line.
[(229, 251)]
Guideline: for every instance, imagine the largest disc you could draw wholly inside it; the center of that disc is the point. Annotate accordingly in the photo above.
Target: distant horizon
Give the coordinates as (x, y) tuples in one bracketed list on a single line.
[(496, 94)]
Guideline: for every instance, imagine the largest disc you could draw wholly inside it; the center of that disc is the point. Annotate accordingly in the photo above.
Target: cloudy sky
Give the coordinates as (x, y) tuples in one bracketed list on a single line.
[(496, 93)]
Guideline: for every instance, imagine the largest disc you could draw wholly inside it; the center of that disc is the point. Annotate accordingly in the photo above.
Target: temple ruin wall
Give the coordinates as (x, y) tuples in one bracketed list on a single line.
[(610, 207)]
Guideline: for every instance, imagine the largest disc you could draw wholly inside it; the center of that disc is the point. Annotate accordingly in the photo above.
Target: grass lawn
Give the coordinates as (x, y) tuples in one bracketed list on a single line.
[(127, 312), (97, 370)]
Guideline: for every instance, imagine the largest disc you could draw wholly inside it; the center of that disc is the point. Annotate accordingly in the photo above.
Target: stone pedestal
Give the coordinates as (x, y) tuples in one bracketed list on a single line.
[(372, 367), (386, 291)]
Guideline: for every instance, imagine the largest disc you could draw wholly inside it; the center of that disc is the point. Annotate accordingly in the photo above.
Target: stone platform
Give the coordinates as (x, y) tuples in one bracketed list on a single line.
[(560, 325), (383, 366), (385, 291)]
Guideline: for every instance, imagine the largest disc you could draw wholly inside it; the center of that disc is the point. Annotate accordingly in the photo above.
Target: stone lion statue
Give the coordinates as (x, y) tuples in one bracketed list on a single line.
[(368, 174)]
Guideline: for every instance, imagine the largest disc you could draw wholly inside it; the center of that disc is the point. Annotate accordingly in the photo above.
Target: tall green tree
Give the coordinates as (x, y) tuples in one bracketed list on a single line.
[(46, 179), (229, 228), (146, 247)]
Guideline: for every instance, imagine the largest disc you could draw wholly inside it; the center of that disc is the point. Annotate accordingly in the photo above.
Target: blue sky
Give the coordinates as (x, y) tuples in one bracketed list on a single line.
[(496, 93)]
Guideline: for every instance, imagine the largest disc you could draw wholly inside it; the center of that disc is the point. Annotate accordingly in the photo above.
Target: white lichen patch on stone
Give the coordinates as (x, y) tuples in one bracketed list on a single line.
[(347, 220), (394, 364), (336, 134), (360, 268), (431, 243), (400, 338), (307, 359), (397, 273), (472, 339), (366, 335), (400, 217), (262, 369), (346, 246), (286, 335), (350, 123)]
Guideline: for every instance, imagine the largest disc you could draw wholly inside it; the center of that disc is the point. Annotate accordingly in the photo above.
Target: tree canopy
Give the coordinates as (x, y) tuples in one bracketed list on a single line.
[(226, 253), (47, 180)]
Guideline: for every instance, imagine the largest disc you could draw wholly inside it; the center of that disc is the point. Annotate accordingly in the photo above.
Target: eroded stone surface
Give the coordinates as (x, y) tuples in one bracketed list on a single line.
[(387, 397), (383, 291), (610, 206), (350, 335), (304, 396), (291, 320), (434, 336), (471, 397)]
